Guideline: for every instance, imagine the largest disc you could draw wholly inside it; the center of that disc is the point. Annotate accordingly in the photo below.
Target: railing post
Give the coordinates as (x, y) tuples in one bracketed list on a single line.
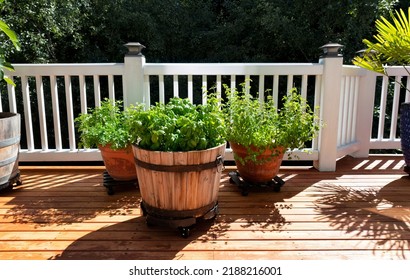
[(329, 106), (133, 79), (365, 103)]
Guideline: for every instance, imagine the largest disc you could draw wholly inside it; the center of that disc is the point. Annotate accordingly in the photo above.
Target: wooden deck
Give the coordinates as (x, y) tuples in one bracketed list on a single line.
[(361, 211)]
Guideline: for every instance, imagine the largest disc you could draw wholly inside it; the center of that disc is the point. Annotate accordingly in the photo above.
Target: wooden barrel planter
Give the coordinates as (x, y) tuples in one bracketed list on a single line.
[(9, 150), (179, 187)]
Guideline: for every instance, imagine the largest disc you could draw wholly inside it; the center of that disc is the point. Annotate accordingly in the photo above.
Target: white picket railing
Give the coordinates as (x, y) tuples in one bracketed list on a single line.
[(45, 96)]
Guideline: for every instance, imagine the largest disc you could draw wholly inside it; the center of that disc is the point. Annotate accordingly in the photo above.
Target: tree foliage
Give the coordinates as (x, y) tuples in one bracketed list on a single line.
[(189, 30)]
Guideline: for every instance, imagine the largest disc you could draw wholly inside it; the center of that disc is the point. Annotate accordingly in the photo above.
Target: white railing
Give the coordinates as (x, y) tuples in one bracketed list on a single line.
[(45, 96), (389, 106), (34, 83)]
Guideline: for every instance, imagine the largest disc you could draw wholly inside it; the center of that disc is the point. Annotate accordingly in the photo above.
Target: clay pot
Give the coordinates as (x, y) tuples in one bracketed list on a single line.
[(263, 171), (119, 164)]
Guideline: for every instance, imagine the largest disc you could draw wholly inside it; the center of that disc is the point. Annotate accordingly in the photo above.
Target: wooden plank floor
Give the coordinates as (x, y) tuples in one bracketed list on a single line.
[(361, 211)]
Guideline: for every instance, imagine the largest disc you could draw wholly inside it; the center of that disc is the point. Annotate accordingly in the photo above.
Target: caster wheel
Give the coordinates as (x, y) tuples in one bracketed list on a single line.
[(276, 188), (6, 187), (184, 231), (144, 211), (110, 190), (245, 192), (149, 223)]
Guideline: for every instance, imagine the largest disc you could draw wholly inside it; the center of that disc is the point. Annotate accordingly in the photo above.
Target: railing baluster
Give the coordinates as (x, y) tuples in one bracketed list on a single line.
[(247, 83), (111, 87), (204, 88), (219, 85), (275, 89), (70, 113), (382, 113), (176, 85), (407, 98), (83, 94), (27, 113), (233, 82), (342, 112), (289, 84), (318, 95), (355, 102), (261, 88), (190, 88), (97, 90), (161, 89), (395, 109), (1, 99), (12, 98), (350, 112), (56, 113), (41, 112), (304, 86), (147, 91)]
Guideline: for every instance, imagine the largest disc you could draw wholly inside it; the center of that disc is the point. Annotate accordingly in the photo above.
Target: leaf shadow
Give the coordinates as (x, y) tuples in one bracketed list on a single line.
[(378, 214)]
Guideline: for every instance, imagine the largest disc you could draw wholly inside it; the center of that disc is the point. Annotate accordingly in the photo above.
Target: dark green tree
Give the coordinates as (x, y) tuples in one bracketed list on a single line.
[(190, 30), (49, 30)]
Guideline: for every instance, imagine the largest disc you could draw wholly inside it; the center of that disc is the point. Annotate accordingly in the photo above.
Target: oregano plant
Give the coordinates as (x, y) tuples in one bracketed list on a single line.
[(261, 125), (107, 124)]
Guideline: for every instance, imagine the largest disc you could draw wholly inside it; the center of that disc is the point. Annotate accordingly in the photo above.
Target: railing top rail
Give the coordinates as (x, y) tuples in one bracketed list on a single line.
[(353, 70), (233, 68), (398, 70), (62, 69)]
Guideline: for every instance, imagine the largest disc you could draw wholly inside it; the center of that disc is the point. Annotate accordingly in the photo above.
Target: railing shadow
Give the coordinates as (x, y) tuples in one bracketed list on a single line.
[(134, 240), (259, 210), (51, 200), (381, 215)]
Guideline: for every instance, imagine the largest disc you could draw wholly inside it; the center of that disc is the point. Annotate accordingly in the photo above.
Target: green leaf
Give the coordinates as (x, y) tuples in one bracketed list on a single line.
[(392, 45), (10, 33)]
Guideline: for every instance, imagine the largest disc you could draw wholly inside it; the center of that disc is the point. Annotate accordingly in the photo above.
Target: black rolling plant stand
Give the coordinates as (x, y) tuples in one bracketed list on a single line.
[(183, 221), (275, 184), (110, 184)]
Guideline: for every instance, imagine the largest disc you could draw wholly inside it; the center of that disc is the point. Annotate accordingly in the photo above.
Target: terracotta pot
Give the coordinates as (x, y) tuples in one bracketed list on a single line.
[(258, 173), (120, 164)]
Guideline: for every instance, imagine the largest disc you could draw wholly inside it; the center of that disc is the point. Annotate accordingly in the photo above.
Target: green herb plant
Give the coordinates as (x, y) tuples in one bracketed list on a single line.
[(107, 124), (261, 125), (179, 125)]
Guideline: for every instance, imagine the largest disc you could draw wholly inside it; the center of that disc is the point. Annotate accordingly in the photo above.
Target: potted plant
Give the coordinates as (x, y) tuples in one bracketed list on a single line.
[(392, 47), (9, 125), (259, 133), (179, 149), (106, 127)]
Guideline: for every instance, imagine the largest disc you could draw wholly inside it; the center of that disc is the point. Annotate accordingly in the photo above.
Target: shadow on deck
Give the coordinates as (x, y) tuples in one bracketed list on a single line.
[(361, 211)]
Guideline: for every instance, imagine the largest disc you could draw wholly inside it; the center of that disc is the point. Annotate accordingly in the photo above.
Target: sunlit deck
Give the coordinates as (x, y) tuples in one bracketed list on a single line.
[(361, 211)]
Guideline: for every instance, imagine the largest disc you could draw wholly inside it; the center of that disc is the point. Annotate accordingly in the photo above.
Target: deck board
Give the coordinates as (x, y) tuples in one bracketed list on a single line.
[(361, 211)]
